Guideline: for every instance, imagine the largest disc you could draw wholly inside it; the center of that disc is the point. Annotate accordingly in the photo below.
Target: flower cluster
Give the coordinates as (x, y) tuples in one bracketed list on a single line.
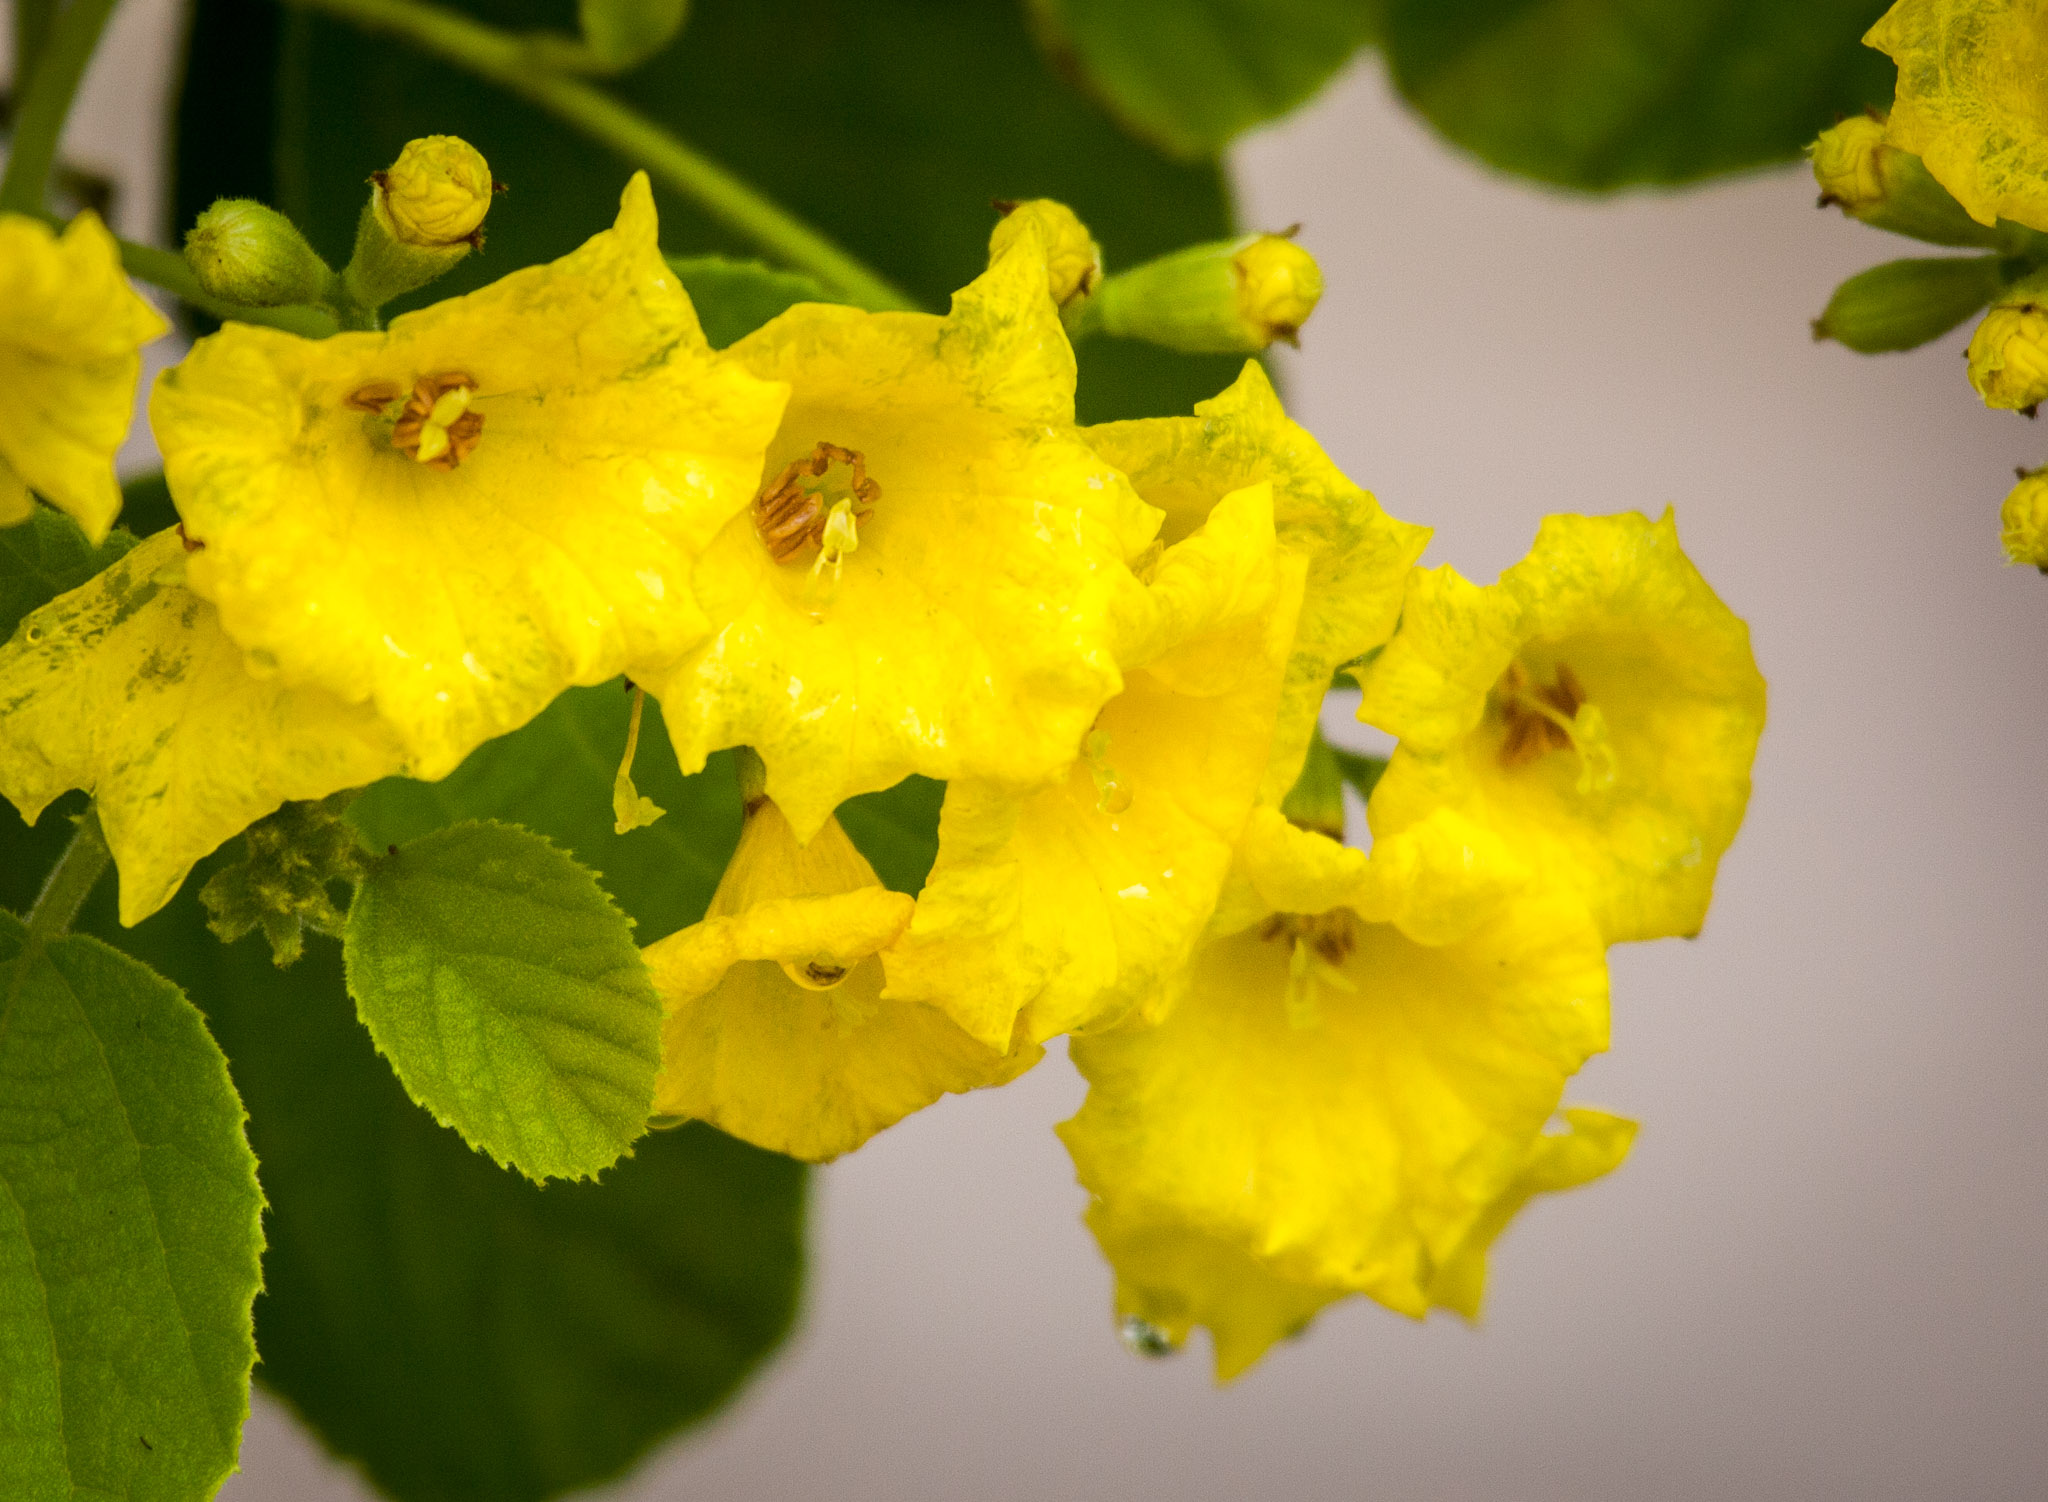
[(869, 545)]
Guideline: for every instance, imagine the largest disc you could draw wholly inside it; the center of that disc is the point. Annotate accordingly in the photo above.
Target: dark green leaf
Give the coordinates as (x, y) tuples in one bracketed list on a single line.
[(129, 1233), (554, 776), (1903, 304), (1604, 93), (466, 1335), (897, 830), (734, 298), (1192, 75), (44, 557), (146, 507), (890, 124), (505, 988)]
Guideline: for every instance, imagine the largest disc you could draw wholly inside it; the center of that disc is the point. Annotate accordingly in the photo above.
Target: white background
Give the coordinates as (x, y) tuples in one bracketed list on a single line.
[(1820, 1274)]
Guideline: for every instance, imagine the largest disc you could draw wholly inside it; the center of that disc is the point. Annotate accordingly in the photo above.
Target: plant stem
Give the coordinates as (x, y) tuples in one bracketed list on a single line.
[(70, 881), (513, 63), (45, 99), (31, 29)]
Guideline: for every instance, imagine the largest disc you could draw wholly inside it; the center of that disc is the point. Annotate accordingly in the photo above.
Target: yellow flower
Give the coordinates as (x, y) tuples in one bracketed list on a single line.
[(71, 336), (1971, 100), (1358, 556), (1171, 1276), (777, 1029), (1073, 261), (2009, 352), (1848, 163), (1598, 709), (1063, 907), (2023, 521), (128, 688), (931, 576), (1336, 1099), (437, 192), (502, 495)]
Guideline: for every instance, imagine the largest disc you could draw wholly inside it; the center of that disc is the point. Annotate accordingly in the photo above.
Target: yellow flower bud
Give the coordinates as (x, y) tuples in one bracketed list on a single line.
[(437, 192), (1230, 297), (1278, 286), (424, 216), (246, 252), (2023, 520), (1073, 261), (1846, 164), (2009, 355)]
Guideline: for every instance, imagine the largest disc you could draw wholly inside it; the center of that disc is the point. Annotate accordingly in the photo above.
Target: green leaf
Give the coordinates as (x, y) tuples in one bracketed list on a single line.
[(130, 1232), (1192, 75), (624, 32), (554, 776), (889, 124), (1903, 304), (464, 1334), (146, 506), (734, 298), (897, 830), (44, 557), (506, 990), (1362, 772), (1604, 93)]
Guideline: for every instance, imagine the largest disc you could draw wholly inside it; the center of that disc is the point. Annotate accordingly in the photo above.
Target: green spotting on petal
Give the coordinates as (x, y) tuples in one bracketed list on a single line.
[(501, 495), (1358, 556), (932, 577), (71, 337), (1597, 710), (127, 687), (1972, 100), (1062, 908), (777, 1029)]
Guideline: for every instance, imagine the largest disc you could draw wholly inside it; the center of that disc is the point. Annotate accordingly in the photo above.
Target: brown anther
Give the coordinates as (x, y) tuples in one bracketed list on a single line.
[(821, 974), (191, 544), (463, 434), (374, 397), (790, 517), (1521, 703), (1332, 935)]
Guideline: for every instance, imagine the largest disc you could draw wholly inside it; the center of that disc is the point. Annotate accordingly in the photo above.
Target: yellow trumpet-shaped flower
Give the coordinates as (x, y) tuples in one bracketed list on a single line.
[(777, 1028), (127, 687), (1336, 1101), (931, 576), (71, 337), (1598, 709), (1358, 556), (1171, 1276), (1063, 907), (500, 496), (1972, 100)]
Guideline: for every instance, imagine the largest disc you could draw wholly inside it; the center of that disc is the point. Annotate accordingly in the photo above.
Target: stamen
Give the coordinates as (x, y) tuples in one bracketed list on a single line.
[(631, 808), (1539, 719), (1112, 794), (436, 427), (1319, 944), (790, 515)]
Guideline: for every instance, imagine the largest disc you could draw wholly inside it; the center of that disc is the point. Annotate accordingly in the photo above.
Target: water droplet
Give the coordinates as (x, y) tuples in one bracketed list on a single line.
[(1145, 1338)]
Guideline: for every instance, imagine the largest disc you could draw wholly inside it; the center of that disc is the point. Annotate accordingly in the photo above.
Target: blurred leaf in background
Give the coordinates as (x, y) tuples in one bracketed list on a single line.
[(1193, 75), (1606, 93), (889, 124)]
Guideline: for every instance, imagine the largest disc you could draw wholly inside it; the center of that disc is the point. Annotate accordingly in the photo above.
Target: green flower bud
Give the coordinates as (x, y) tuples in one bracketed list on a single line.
[(424, 215), (248, 253), (1073, 261), (1890, 189), (2023, 520), (2009, 352), (1903, 304), (1231, 297)]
